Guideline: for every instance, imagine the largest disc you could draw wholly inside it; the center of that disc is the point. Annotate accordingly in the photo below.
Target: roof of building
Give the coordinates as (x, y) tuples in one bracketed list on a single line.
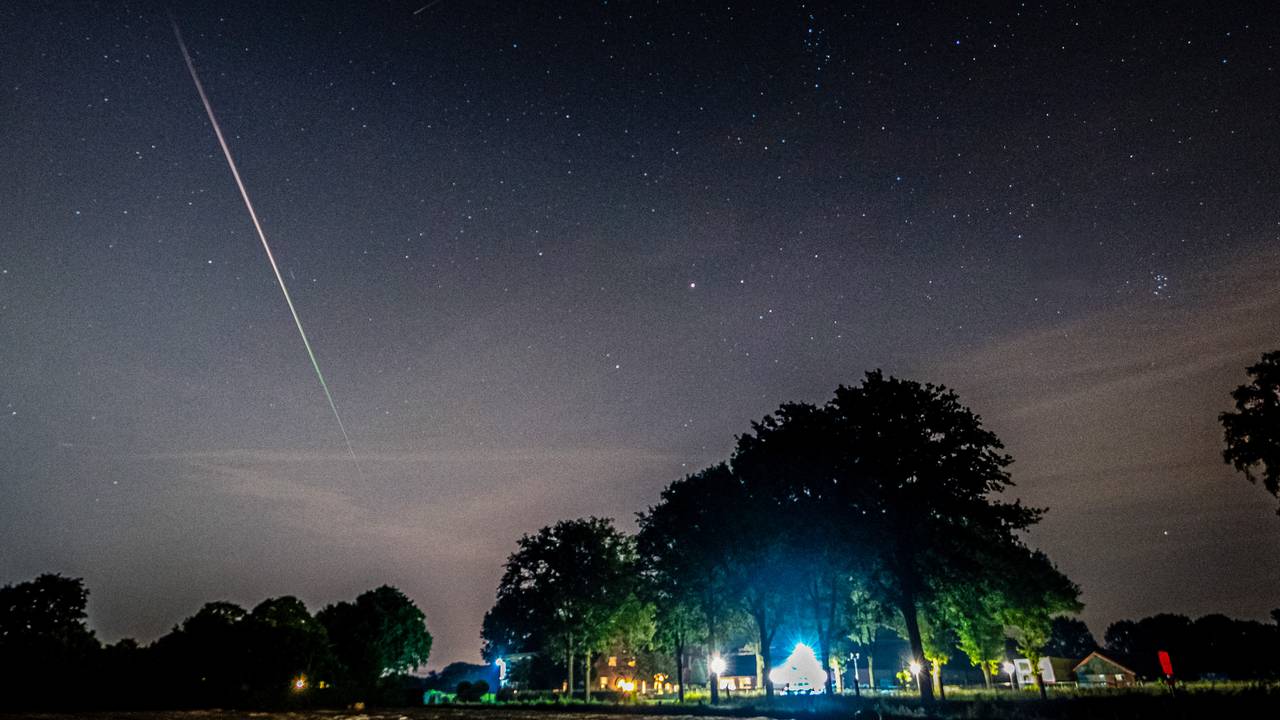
[(1103, 658)]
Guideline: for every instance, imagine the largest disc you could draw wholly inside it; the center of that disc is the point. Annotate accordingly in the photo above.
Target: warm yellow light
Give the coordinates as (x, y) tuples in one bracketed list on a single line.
[(300, 683)]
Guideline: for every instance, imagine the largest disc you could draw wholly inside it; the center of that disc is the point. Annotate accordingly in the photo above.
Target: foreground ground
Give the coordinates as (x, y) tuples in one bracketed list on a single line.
[(1233, 703)]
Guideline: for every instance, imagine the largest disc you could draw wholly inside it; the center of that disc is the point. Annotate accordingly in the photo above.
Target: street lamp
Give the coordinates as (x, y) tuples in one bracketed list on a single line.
[(717, 665), (915, 668), (1008, 669)]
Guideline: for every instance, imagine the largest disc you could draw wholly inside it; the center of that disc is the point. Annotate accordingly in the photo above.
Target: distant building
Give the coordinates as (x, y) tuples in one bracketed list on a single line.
[(1053, 671), (739, 672), (637, 673), (1098, 670)]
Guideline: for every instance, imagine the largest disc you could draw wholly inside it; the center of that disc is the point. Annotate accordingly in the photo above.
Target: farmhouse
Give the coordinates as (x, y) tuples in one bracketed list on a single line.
[(1098, 670)]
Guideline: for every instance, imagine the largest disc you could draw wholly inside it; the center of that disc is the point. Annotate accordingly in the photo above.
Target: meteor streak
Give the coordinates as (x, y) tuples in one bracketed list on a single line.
[(253, 215)]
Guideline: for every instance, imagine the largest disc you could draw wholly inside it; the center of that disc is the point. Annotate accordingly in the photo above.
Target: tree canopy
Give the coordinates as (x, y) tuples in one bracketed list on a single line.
[(1252, 432), (382, 633), (568, 589), (889, 493)]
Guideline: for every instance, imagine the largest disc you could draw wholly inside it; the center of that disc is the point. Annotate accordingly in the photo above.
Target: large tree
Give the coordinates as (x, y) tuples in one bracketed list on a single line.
[(686, 543), (1036, 592), (285, 644), (920, 472), (689, 541), (1070, 638), (204, 660), (801, 551), (567, 589), (382, 633), (42, 627), (980, 633), (1252, 432)]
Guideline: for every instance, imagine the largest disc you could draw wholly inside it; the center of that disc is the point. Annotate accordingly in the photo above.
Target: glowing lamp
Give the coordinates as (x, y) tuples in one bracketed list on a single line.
[(800, 673), (718, 665)]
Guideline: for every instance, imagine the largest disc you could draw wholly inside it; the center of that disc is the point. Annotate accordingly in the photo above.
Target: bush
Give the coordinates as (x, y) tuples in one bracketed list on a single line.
[(472, 692)]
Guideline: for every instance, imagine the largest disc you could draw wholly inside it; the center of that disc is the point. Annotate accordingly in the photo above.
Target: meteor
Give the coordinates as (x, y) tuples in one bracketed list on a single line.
[(253, 215)]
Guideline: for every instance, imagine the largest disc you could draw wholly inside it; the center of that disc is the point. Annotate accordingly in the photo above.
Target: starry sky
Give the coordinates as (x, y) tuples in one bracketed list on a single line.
[(552, 256)]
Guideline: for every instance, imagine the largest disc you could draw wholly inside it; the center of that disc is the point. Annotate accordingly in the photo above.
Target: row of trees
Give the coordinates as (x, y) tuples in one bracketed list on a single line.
[(223, 655), (1210, 647), (881, 508)]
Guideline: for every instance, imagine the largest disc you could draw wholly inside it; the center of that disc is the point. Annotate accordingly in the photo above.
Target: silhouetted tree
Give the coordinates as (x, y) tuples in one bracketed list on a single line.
[(1069, 638), (285, 644), (921, 473), (686, 543), (203, 662), (786, 466), (562, 591), (381, 634), (1252, 432), (43, 638), (1136, 643)]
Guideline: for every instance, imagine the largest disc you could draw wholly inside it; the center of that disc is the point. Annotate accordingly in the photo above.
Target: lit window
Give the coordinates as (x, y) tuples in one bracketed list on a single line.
[(613, 661)]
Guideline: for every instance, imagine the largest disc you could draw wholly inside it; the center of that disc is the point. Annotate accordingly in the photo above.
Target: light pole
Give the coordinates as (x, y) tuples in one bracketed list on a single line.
[(717, 667), (914, 667)]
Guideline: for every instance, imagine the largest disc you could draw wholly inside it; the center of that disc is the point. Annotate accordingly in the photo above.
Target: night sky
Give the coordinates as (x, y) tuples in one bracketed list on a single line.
[(552, 256)]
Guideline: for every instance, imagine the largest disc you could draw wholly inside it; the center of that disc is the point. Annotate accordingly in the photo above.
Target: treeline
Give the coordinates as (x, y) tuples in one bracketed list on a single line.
[(1211, 647), (881, 508), (276, 654)]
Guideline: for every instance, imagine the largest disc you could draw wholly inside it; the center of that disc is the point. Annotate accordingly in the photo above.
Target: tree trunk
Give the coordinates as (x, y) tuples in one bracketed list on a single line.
[(569, 654), (1044, 695), (766, 662), (911, 618), (871, 672), (586, 675), (765, 635), (830, 684), (937, 676), (680, 668), (857, 691), (832, 609), (713, 632), (986, 675)]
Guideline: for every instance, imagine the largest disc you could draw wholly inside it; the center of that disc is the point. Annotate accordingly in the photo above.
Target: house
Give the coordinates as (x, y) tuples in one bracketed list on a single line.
[(639, 673), (1053, 671), (1098, 670), (739, 672)]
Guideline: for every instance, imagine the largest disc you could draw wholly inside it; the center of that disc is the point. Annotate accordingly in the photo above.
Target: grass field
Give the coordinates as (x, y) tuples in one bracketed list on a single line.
[(1197, 702)]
